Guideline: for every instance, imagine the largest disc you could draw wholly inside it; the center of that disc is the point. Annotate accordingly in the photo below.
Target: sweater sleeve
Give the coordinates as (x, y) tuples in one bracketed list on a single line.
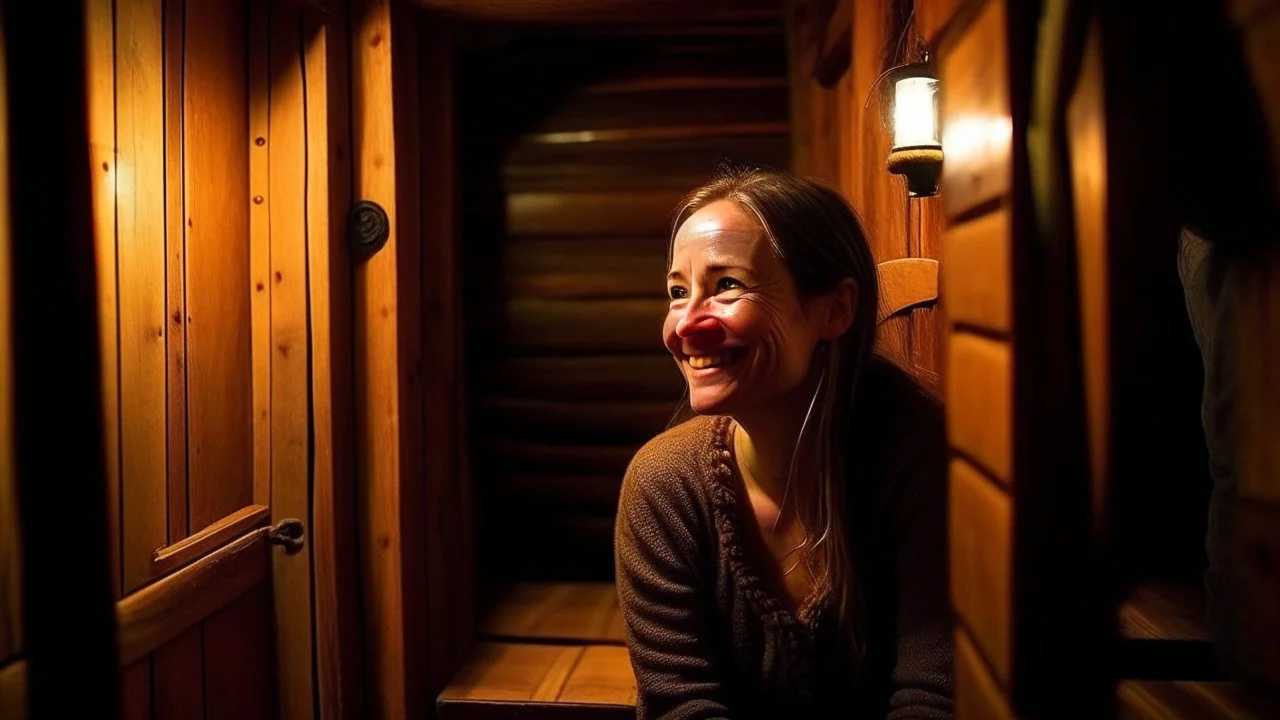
[(922, 676), (665, 595)]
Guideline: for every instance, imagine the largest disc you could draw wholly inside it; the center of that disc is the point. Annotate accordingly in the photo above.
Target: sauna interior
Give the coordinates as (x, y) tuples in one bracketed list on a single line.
[(328, 329)]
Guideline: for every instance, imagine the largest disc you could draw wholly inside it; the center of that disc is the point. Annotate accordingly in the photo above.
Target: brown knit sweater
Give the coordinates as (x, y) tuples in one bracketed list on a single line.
[(709, 638)]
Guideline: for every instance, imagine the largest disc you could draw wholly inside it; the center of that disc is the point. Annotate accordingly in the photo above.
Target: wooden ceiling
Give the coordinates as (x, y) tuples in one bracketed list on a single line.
[(593, 12)]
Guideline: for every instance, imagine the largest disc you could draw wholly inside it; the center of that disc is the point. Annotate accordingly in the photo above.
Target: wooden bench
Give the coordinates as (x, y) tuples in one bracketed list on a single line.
[(582, 612), (1164, 635), (535, 680), (1172, 700)]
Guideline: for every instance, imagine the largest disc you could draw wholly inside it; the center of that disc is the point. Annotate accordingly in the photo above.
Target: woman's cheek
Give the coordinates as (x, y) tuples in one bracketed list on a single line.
[(669, 337)]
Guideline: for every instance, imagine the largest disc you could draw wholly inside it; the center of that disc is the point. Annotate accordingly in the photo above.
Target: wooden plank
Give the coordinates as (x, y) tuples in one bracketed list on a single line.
[(627, 325), (135, 688), (289, 363), (906, 283), (975, 114), (980, 402), (1154, 700), (582, 611), (239, 675), (140, 212), (977, 255), (640, 377), (582, 459), (394, 669), (13, 690), (1259, 377), (260, 216), (512, 673), (219, 364), (658, 132), (602, 676), (604, 12), (1162, 611), (639, 212), (932, 16), (665, 108), (860, 139), (571, 421), (981, 527), (1260, 28), (11, 626), (101, 86), (339, 665), (555, 268), (178, 677), (171, 557), (977, 694), (928, 324), (450, 563), (596, 494), (175, 249), (162, 610)]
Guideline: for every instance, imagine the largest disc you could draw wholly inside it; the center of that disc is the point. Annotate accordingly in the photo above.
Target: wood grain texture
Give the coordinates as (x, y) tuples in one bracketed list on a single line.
[(581, 611), (260, 289), (640, 212), (171, 557), (239, 647), (177, 677), (140, 213), (977, 693), (572, 421), (13, 690), (906, 283), (981, 527), (175, 251), (584, 269), (603, 675), (100, 76), (642, 377), (977, 256), (601, 11), (164, 609), (980, 401), (535, 324), (1155, 700), (339, 651), (11, 629), (135, 689), (975, 115), (219, 363)]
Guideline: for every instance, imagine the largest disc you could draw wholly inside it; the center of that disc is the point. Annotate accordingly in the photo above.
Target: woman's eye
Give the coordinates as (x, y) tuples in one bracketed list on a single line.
[(728, 283), (677, 293)]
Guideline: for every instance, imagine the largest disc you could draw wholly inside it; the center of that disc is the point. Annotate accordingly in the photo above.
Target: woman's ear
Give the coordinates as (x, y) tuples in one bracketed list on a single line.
[(838, 310)]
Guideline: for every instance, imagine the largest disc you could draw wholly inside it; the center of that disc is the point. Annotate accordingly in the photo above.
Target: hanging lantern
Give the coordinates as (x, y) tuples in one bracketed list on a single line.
[(909, 109)]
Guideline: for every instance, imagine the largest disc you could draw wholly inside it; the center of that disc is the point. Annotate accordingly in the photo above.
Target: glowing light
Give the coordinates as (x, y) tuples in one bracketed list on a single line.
[(915, 113)]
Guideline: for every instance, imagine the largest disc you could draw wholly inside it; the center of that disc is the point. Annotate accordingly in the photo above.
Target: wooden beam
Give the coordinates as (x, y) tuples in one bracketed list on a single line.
[(583, 12)]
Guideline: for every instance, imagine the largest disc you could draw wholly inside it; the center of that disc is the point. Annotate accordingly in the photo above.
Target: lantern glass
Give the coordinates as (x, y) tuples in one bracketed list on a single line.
[(915, 113)]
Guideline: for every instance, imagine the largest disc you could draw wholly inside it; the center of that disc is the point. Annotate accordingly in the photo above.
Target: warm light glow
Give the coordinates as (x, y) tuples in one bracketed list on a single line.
[(915, 113), (969, 137)]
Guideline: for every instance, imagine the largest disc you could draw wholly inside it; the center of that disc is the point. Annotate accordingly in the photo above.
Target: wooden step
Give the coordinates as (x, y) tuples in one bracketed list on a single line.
[(528, 680), (582, 612), (1164, 635), (1171, 700)]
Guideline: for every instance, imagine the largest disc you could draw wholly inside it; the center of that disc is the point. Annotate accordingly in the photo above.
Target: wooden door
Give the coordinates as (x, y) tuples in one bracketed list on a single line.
[(210, 147)]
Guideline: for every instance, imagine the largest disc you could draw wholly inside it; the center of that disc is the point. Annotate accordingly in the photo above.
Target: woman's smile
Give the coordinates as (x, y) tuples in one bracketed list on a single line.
[(710, 362)]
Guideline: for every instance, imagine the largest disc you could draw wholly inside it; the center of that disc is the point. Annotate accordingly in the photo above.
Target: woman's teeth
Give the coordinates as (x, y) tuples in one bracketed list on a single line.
[(702, 362)]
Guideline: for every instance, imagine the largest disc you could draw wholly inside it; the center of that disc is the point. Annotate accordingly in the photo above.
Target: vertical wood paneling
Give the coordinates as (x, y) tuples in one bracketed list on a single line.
[(10, 539), (136, 691), (101, 78), (260, 241), (218, 315), (378, 398), (140, 213), (338, 652), (290, 380), (13, 690), (175, 254), (239, 660), (178, 677)]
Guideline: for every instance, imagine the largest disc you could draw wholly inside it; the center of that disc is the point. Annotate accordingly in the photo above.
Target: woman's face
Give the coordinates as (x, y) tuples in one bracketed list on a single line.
[(737, 328)]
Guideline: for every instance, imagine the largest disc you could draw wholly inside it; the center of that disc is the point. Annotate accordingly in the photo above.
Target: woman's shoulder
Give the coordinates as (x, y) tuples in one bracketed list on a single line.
[(669, 460)]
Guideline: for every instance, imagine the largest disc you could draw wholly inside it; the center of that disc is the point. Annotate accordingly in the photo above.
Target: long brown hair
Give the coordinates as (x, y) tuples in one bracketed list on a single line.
[(821, 241)]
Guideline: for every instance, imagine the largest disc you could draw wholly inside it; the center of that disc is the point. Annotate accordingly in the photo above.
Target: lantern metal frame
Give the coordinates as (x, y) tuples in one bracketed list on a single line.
[(921, 165)]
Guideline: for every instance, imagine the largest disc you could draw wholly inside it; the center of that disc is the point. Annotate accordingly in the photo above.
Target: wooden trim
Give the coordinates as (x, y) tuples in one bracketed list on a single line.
[(171, 557), (259, 81), (657, 132), (906, 283), (161, 611)]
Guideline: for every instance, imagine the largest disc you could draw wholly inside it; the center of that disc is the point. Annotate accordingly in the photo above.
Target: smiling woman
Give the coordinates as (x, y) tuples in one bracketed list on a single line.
[(782, 551)]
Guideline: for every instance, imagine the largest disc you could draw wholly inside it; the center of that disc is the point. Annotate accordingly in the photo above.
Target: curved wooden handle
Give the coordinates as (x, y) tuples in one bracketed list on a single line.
[(906, 283)]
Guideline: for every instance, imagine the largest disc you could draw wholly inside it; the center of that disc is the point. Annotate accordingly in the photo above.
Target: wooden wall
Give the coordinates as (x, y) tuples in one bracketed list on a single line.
[(577, 149)]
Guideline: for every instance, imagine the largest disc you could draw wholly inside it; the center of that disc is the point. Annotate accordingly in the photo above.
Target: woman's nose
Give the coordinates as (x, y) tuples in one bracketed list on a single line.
[(696, 320)]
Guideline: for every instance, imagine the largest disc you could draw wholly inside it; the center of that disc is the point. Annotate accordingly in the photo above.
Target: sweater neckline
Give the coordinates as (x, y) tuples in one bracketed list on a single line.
[(762, 596)]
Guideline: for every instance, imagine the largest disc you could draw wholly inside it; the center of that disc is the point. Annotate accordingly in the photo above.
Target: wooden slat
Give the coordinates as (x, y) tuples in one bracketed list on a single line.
[(161, 611), (171, 557), (977, 694), (338, 653), (175, 263), (1153, 700), (1261, 35), (933, 15), (578, 325), (13, 690), (11, 629), (136, 690), (584, 459), (1164, 612), (621, 377), (980, 401), (976, 278), (640, 212), (239, 675), (101, 80), (906, 283), (603, 12), (701, 132), (928, 324), (584, 268), (981, 527), (596, 111), (583, 611), (178, 677), (558, 491), (219, 363), (603, 675), (140, 214), (572, 421), (289, 364), (512, 673), (975, 115), (260, 289)]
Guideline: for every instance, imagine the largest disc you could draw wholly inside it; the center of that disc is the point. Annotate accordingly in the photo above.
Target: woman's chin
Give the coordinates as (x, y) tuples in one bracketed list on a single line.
[(710, 403)]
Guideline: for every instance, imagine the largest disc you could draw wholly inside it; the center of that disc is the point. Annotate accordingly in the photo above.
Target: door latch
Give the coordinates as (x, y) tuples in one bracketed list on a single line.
[(287, 532)]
